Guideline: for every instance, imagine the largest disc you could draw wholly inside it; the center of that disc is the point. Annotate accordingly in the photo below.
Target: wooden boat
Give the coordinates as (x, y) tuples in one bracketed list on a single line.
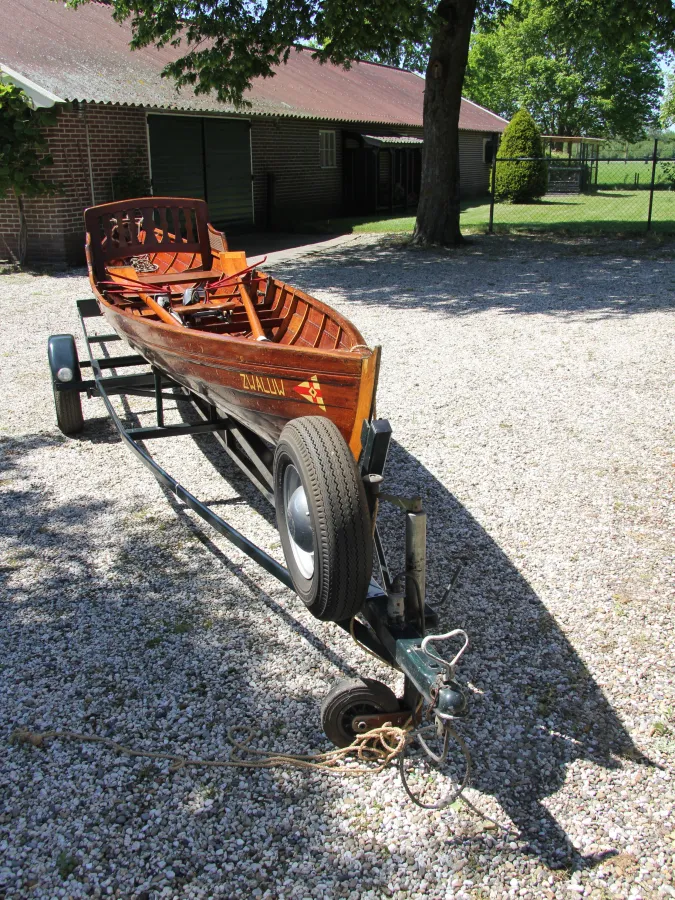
[(256, 348), (299, 374)]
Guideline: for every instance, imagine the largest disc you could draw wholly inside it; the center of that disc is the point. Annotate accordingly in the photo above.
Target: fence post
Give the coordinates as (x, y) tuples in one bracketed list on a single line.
[(493, 173), (651, 187)]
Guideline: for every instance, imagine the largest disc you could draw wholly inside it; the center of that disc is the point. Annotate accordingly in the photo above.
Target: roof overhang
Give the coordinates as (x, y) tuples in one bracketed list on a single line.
[(391, 140), (566, 139), (38, 96)]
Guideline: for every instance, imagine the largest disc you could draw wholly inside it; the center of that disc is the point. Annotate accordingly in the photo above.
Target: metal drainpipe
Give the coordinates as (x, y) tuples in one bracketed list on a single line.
[(83, 111)]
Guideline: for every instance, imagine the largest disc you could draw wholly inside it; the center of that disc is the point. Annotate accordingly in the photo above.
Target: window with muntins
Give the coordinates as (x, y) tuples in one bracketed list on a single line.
[(327, 152)]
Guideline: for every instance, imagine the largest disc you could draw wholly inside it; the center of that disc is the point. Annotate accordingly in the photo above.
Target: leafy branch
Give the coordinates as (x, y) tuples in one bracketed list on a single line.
[(23, 152)]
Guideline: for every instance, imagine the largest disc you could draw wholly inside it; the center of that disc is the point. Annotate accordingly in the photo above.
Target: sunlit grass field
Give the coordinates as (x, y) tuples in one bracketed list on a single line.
[(611, 211), (630, 173)]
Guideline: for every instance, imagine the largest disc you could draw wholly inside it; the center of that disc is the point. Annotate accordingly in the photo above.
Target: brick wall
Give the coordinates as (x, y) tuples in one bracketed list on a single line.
[(289, 150), (115, 132), (49, 234), (286, 149), (55, 225)]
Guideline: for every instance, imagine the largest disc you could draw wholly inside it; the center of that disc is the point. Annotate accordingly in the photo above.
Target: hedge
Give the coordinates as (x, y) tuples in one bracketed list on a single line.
[(521, 182)]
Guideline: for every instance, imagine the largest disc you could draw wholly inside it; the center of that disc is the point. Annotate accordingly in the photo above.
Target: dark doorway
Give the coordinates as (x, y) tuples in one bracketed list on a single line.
[(208, 158), (381, 174)]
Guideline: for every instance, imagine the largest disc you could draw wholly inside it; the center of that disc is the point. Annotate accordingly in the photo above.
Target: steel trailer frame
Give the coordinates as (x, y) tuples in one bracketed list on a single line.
[(396, 615)]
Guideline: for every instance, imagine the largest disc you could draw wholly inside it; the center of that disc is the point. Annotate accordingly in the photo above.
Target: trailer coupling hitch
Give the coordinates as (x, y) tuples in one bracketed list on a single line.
[(430, 777), (433, 675)]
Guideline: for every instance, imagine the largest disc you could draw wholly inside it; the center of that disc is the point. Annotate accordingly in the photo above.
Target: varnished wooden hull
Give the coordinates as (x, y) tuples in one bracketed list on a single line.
[(254, 384), (258, 349)]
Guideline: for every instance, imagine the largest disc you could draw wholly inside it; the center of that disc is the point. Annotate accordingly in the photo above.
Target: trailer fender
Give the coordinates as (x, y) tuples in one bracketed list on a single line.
[(63, 360)]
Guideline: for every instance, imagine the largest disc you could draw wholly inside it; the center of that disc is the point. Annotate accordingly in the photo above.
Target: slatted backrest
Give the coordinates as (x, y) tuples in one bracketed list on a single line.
[(147, 225), (217, 239)]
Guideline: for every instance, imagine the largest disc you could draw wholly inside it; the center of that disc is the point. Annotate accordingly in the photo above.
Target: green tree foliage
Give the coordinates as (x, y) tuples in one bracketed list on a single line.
[(641, 149), (572, 83), (412, 56), (667, 111), (222, 45), (23, 156), (228, 43), (521, 182)]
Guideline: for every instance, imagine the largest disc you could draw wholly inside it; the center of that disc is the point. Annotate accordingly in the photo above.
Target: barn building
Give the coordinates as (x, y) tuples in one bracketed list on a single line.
[(315, 140)]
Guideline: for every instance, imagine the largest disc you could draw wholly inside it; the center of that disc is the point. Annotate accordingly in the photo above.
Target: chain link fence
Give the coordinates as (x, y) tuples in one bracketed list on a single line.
[(614, 195)]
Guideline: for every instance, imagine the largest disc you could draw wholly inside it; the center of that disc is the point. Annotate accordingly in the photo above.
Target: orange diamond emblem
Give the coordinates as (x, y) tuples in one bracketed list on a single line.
[(311, 391)]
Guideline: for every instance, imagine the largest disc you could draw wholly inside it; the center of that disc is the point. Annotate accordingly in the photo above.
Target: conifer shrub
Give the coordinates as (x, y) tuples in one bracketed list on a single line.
[(521, 182)]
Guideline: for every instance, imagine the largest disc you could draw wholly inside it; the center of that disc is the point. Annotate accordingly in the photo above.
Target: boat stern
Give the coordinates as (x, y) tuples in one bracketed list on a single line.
[(365, 405)]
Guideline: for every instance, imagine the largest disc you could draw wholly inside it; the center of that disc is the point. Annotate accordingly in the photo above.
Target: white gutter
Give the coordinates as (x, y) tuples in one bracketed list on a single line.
[(39, 96)]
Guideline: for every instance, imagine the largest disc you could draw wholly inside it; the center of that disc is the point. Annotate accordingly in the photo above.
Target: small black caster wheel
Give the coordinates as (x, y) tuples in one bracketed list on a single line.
[(350, 698)]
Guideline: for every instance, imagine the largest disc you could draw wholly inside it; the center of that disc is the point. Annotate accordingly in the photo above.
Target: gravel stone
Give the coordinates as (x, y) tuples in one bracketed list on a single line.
[(529, 386)]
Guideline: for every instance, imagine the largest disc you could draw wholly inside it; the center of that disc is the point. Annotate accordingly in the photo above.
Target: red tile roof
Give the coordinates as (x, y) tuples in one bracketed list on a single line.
[(84, 55)]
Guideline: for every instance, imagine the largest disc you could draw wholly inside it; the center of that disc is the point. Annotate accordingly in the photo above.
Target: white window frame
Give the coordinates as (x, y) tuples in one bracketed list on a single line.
[(327, 149)]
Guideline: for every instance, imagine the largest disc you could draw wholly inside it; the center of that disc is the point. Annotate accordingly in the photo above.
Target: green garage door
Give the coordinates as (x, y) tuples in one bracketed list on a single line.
[(205, 158)]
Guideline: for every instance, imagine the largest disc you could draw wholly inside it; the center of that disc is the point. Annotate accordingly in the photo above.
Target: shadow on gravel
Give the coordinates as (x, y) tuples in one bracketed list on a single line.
[(117, 649), (30, 527), (470, 279), (106, 627), (537, 708), (249, 495)]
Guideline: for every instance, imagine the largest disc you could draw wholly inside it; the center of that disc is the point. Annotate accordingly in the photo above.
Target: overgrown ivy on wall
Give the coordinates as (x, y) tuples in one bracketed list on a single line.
[(23, 153)]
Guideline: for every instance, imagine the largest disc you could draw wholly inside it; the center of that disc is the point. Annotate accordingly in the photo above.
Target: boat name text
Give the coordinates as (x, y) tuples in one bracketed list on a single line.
[(262, 384)]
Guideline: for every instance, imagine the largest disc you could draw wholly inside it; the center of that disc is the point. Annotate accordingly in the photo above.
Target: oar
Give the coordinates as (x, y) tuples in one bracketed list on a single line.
[(172, 318), (254, 321), (128, 285), (167, 316)]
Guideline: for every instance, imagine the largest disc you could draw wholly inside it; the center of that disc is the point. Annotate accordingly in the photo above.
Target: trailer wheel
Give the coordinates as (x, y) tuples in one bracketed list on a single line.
[(354, 697), (68, 405), (65, 367), (323, 518)]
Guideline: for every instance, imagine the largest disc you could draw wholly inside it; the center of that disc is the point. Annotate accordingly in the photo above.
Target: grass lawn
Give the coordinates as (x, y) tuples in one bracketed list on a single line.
[(611, 211), (617, 174)]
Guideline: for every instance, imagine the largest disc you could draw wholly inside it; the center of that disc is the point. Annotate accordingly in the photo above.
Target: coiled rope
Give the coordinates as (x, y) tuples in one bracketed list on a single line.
[(379, 746), (375, 749)]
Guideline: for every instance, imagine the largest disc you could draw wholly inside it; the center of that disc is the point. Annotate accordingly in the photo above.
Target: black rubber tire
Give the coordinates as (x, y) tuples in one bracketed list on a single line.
[(339, 515), (353, 697), (68, 405)]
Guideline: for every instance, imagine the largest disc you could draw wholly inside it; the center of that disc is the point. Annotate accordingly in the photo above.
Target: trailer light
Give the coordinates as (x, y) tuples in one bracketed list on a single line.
[(65, 374)]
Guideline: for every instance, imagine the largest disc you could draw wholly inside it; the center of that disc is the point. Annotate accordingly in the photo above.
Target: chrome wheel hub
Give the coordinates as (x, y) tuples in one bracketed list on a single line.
[(298, 522)]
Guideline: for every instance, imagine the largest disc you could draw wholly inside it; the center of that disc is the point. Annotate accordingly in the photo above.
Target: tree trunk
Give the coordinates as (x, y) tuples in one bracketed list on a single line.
[(438, 211)]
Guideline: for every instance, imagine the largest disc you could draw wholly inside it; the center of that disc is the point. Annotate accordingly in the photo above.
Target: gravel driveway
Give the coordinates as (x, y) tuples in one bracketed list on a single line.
[(530, 389)]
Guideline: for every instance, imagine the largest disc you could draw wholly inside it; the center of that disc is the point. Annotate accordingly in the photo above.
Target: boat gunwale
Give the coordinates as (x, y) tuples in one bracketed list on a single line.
[(287, 371), (359, 350), (363, 351)]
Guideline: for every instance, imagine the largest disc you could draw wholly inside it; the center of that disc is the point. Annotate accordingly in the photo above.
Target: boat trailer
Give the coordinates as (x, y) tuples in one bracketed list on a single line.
[(395, 622)]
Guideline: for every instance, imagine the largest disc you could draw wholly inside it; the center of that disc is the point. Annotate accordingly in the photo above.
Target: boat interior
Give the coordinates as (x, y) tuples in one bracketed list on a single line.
[(159, 259)]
